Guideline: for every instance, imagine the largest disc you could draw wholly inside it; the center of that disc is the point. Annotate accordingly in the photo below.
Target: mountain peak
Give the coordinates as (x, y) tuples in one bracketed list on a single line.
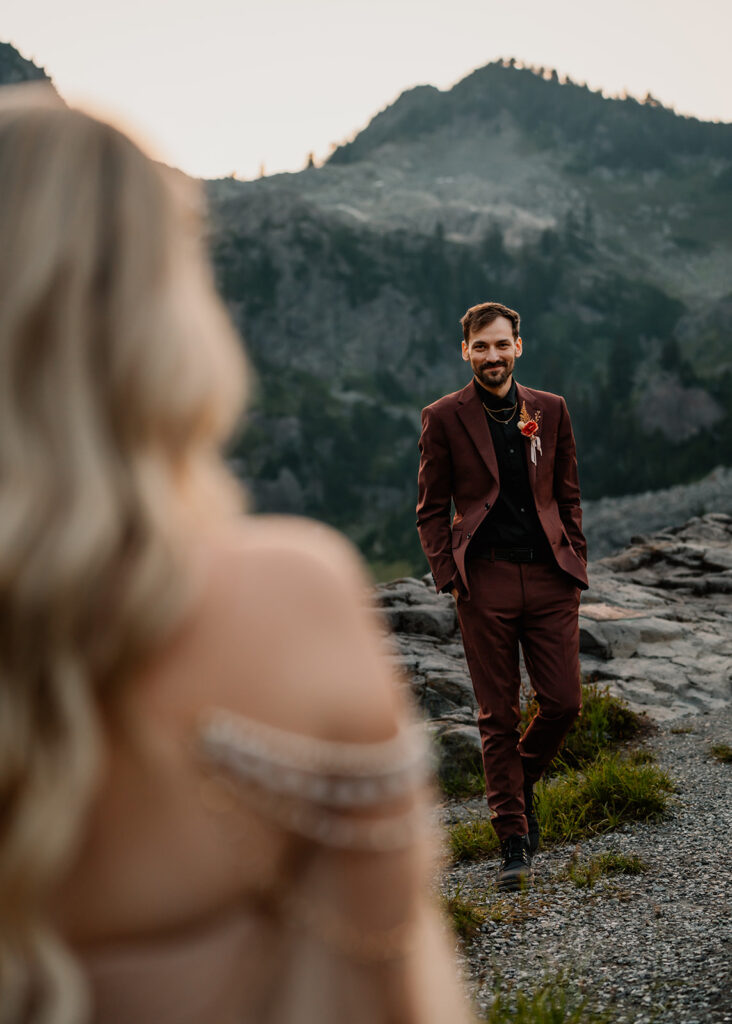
[(594, 130)]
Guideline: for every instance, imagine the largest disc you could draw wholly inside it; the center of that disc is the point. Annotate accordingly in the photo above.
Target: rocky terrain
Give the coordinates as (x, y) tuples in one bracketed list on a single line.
[(609, 523), (645, 948), (655, 627), (649, 948)]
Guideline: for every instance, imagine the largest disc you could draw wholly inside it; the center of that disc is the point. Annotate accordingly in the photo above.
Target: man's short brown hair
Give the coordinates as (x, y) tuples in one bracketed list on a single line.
[(485, 313)]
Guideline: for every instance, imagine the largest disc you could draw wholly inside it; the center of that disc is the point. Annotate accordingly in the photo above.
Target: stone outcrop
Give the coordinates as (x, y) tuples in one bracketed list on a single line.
[(609, 523), (655, 627)]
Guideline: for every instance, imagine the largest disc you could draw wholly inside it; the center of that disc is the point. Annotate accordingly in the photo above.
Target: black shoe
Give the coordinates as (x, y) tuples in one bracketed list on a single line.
[(515, 870), (531, 820)]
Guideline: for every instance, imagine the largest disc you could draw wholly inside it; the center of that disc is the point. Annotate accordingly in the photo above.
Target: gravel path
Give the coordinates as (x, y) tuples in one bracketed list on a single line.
[(655, 947)]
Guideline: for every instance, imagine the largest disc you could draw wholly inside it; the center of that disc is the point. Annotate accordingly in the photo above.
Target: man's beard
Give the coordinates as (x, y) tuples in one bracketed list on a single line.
[(494, 380)]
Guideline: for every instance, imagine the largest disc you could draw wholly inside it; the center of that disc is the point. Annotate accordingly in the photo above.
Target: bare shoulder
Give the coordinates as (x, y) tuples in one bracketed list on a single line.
[(305, 549), (284, 633), (287, 570)]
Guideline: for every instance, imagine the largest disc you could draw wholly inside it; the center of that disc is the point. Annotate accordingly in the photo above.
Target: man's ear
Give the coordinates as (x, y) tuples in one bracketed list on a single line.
[(519, 346), (466, 354)]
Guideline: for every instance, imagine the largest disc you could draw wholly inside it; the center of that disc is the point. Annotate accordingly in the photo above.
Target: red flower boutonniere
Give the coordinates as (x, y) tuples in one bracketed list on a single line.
[(529, 427)]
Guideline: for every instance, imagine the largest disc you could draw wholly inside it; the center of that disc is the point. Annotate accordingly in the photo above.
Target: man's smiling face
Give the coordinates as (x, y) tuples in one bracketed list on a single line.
[(492, 351)]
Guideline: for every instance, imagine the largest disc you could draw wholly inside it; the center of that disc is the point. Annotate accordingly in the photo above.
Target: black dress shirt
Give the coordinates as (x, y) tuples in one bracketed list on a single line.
[(512, 522)]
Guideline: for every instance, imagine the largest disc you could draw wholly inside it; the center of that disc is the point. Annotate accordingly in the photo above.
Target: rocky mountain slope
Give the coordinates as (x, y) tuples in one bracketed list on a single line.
[(606, 222), (610, 523)]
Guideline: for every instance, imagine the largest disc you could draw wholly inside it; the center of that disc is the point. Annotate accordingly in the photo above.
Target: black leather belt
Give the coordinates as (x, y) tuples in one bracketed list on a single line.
[(513, 554)]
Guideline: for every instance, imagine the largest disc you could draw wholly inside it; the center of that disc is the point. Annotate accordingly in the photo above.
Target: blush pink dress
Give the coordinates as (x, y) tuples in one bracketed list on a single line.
[(339, 926)]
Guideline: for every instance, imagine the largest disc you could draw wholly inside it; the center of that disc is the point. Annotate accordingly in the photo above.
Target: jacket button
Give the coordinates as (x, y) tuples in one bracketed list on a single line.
[(487, 504), (469, 536)]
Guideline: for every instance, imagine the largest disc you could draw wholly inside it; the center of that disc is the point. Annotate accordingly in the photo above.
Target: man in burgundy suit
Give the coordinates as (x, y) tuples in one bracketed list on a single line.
[(513, 557)]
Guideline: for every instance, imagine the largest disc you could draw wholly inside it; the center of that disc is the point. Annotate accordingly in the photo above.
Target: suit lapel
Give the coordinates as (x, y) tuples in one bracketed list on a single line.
[(532, 406), (470, 411)]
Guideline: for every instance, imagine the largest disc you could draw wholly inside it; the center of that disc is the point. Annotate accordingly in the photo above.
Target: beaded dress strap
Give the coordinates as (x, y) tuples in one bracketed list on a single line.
[(326, 772)]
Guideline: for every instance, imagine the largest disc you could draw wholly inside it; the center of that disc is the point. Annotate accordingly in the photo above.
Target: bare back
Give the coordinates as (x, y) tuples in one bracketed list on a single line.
[(181, 874)]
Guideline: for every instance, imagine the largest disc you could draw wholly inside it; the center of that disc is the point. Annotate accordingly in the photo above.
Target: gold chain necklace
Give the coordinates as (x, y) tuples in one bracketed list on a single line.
[(511, 409)]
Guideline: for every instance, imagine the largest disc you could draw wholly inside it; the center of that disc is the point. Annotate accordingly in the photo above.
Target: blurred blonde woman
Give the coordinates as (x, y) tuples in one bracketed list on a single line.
[(211, 805)]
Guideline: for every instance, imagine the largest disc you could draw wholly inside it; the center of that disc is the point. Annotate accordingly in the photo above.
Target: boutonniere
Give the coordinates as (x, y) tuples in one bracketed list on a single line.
[(529, 427)]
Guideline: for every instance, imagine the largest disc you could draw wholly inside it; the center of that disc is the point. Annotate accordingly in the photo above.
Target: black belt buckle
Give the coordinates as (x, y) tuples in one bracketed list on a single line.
[(523, 555), (515, 554)]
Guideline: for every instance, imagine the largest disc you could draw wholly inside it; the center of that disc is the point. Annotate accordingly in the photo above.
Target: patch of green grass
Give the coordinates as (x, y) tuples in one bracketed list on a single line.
[(461, 776), (641, 756), (473, 840), (722, 752), (462, 782), (548, 1002), (603, 795), (605, 721), (682, 730), (467, 918), (578, 804), (584, 873)]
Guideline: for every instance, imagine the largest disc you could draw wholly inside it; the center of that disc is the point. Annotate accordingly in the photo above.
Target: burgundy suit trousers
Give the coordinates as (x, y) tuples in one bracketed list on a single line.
[(535, 605)]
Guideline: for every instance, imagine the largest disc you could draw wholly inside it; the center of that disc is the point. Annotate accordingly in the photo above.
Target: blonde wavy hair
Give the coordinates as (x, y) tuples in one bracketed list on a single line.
[(120, 378)]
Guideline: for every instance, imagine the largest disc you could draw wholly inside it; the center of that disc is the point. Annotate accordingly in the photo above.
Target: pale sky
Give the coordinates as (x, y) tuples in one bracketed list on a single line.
[(226, 86)]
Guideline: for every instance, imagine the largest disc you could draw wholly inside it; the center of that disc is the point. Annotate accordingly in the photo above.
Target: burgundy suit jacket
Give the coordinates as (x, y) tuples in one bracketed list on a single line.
[(458, 464)]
